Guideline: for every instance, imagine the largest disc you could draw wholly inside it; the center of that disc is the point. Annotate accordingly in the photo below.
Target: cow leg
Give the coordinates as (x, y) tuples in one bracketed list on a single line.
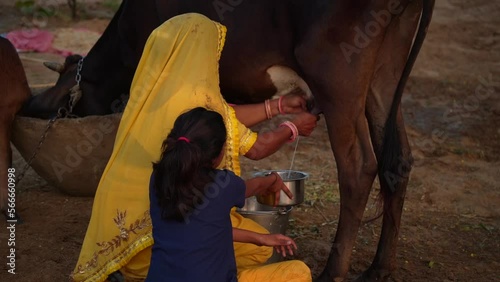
[(14, 92), (393, 186), (6, 120), (342, 100), (340, 82), (391, 61), (5, 162), (356, 164)]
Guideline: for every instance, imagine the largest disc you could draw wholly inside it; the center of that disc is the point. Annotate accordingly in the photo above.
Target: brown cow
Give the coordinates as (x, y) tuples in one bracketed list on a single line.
[(354, 56), (14, 91)]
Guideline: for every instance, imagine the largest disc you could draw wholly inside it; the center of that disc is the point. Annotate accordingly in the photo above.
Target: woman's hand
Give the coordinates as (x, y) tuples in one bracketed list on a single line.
[(305, 123), (266, 185), (293, 104), (276, 187), (280, 242)]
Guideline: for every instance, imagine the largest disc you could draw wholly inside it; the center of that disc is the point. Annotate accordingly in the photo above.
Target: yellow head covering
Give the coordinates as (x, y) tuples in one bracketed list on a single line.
[(178, 71)]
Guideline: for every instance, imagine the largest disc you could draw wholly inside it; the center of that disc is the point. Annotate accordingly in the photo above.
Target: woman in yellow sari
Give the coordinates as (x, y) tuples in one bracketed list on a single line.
[(178, 71)]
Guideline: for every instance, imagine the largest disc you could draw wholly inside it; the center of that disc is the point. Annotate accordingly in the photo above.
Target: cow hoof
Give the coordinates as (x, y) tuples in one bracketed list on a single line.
[(326, 278), (374, 275)]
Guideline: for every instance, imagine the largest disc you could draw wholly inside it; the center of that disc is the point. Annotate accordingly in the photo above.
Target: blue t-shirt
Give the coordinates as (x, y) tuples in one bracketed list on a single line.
[(200, 248)]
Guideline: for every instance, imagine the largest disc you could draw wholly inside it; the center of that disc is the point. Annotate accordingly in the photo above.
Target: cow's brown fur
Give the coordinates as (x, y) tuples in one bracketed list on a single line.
[(14, 91), (359, 92)]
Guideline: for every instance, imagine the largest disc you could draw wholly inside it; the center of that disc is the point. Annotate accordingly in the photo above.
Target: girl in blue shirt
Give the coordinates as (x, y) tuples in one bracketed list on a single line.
[(190, 201)]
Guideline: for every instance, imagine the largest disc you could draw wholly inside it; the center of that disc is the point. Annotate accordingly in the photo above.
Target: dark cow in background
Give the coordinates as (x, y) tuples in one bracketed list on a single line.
[(14, 90), (354, 56)]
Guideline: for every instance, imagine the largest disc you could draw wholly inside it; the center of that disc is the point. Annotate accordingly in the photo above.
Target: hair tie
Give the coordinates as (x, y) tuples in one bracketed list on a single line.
[(182, 138)]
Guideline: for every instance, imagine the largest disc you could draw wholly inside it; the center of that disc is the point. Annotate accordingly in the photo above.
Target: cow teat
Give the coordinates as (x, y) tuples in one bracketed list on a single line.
[(312, 107)]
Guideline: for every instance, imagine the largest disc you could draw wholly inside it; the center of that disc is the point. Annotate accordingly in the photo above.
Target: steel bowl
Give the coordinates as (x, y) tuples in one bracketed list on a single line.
[(292, 179)]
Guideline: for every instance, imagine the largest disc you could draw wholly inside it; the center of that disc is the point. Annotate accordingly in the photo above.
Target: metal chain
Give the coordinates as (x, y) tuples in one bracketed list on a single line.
[(78, 77), (62, 112), (75, 91)]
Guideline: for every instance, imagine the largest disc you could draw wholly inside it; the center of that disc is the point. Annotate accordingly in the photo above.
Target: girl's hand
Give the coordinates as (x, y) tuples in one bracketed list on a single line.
[(280, 242), (293, 104), (305, 123), (276, 187)]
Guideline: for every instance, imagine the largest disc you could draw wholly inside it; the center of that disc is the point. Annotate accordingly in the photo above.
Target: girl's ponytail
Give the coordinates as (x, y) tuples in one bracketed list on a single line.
[(187, 157)]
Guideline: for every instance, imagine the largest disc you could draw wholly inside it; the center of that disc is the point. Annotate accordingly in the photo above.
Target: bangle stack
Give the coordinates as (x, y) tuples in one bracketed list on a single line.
[(280, 106), (267, 105), (293, 128)]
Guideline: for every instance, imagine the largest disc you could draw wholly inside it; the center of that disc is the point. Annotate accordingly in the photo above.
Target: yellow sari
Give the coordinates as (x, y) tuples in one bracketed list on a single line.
[(178, 71)]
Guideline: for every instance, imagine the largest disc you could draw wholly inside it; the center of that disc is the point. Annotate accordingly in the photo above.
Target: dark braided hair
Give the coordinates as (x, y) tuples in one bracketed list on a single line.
[(185, 166)]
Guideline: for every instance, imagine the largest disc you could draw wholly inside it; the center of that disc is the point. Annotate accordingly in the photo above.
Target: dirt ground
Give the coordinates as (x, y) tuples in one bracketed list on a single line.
[(451, 223)]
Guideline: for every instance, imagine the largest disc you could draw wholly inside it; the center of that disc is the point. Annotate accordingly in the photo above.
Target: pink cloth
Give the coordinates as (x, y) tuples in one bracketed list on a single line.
[(42, 41), (34, 40)]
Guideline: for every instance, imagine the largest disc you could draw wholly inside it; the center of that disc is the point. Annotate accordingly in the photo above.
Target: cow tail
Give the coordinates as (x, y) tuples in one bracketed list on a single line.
[(391, 170)]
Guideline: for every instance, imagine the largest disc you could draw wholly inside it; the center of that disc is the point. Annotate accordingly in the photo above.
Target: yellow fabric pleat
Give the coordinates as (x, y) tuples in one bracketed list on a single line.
[(287, 271)]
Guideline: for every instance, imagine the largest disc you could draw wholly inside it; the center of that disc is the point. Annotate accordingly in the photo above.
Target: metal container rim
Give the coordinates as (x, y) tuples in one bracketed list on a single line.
[(278, 211), (304, 175)]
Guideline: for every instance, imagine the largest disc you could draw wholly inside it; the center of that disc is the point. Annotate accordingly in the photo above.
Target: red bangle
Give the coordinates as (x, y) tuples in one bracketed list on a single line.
[(293, 128), (280, 107)]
